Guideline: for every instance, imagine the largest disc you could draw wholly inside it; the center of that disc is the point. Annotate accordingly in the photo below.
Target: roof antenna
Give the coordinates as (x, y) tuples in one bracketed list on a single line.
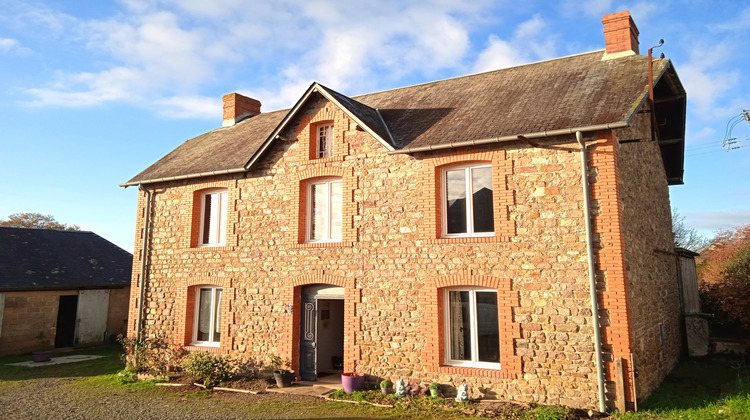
[(651, 69)]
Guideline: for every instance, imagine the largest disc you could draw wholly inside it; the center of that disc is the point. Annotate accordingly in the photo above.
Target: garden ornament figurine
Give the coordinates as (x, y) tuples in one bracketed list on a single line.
[(463, 393), (400, 388)]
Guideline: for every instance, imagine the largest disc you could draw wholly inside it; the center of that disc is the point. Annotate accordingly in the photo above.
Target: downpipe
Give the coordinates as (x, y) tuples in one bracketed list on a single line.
[(144, 257), (592, 271)]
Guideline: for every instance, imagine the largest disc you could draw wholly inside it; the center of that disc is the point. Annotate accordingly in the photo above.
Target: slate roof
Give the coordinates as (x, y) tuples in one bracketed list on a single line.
[(574, 92), (46, 259)]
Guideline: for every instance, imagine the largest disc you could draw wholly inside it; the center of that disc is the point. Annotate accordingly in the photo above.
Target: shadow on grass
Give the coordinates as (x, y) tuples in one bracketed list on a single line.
[(109, 364), (698, 383)]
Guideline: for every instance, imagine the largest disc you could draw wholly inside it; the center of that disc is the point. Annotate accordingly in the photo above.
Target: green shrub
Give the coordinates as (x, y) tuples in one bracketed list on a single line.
[(386, 383), (210, 369)]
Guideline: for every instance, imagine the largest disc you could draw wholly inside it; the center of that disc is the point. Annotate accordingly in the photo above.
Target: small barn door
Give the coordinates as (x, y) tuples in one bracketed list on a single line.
[(91, 319), (308, 339)]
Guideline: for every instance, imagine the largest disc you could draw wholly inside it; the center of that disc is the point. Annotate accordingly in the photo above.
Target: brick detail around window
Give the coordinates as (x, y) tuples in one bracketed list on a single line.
[(297, 216), (610, 258), (431, 198), (307, 133), (190, 213), (185, 310), (291, 294), (433, 355)]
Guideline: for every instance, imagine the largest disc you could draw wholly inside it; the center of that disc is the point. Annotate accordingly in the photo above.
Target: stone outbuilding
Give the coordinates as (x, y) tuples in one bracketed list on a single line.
[(60, 288), (510, 230)]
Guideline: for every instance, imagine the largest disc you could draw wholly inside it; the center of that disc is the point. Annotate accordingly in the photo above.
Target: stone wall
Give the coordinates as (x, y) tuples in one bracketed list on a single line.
[(392, 262), (654, 289), (29, 321), (117, 317)]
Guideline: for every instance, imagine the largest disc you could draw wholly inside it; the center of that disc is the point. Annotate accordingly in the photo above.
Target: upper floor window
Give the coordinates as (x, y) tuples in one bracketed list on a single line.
[(472, 333), (213, 230), (207, 316), (324, 210), (467, 201), (324, 143)]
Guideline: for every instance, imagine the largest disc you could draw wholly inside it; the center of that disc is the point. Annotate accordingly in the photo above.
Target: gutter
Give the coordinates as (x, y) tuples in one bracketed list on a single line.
[(178, 177), (592, 274), (144, 255), (514, 137)]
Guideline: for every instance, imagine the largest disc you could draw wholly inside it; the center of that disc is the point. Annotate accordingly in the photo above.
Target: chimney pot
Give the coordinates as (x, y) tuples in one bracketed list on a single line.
[(620, 34), (238, 107)]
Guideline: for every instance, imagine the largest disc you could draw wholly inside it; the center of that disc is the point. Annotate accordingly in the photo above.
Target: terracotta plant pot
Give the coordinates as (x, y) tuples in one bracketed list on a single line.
[(283, 378), (352, 381)]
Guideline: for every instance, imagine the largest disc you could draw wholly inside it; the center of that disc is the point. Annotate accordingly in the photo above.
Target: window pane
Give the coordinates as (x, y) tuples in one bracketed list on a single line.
[(460, 325), (481, 191), (217, 317), (222, 222), (455, 193), (488, 335), (207, 206), (324, 141), (318, 210), (336, 204), (204, 315)]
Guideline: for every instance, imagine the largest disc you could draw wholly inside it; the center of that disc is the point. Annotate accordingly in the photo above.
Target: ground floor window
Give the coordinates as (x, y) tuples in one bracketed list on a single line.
[(207, 322), (472, 334)]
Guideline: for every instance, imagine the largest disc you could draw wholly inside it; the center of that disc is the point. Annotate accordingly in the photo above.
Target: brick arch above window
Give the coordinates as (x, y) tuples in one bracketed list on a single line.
[(503, 198), (431, 297), (190, 212), (306, 133)]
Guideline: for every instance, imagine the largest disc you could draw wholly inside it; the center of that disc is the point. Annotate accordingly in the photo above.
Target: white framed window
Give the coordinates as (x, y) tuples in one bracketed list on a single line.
[(324, 210), (207, 316), (213, 230), (324, 142), (467, 201), (472, 332)]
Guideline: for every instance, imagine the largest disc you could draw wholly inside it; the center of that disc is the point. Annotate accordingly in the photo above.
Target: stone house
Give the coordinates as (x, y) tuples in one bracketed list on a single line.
[(340, 234), (60, 288)]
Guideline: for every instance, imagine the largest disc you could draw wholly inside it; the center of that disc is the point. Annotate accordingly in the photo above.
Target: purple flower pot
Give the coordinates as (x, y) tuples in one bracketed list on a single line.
[(352, 381), (42, 356)]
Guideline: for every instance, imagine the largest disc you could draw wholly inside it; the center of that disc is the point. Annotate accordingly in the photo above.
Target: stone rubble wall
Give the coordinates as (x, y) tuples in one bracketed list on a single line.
[(391, 262)]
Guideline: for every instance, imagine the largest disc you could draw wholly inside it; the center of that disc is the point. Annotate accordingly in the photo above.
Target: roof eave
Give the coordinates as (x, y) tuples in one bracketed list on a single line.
[(179, 177)]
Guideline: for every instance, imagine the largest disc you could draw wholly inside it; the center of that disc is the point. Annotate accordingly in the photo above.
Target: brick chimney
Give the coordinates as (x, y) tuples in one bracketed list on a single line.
[(238, 107), (620, 35)]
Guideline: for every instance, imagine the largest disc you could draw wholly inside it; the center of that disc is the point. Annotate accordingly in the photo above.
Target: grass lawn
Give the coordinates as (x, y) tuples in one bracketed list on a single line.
[(703, 389)]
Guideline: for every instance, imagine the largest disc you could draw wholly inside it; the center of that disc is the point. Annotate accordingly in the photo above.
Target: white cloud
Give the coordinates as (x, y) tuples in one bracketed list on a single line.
[(718, 220), (12, 46), (153, 53), (707, 81), (530, 42)]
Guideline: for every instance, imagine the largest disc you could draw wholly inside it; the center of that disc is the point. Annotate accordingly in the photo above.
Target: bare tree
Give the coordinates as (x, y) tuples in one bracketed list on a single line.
[(36, 220), (686, 236)]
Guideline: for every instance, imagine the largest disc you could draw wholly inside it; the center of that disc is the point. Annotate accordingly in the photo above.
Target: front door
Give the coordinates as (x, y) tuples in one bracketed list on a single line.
[(308, 338)]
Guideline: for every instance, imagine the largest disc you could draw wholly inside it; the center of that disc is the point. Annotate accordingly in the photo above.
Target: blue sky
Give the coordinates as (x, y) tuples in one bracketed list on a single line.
[(92, 92)]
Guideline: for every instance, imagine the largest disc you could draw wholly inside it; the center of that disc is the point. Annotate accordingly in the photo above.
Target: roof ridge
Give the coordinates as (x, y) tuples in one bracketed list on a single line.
[(48, 229), (477, 74)]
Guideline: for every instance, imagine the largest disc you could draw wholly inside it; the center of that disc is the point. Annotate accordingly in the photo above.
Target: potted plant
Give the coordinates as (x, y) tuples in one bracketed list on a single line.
[(352, 381), (283, 377), (386, 386), (42, 355), (434, 389)]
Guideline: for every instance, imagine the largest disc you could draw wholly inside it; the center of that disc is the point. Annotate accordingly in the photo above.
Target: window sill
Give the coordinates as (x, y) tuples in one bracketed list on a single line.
[(475, 371), (203, 347), (467, 239), (216, 248), (323, 245)]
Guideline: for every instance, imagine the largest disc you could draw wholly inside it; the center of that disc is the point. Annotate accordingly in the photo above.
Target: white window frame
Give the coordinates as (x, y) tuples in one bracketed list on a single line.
[(469, 203), (196, 313), (309, 209), (219, 238), (328, 151), (473, 323)]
